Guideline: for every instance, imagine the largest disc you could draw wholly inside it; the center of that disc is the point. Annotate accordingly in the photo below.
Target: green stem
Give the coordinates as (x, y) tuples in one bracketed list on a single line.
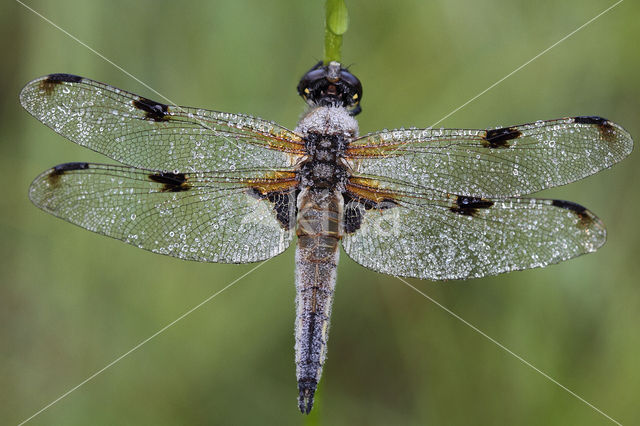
[(336, 24)]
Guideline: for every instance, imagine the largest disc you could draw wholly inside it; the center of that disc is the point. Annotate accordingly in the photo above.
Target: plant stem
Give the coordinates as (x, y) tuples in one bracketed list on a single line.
[(336, 24)]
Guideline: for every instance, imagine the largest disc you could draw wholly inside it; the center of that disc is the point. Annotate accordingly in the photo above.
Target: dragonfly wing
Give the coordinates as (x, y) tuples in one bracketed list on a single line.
[(504, 162), (431, 235), (143, 133), (202, 216)]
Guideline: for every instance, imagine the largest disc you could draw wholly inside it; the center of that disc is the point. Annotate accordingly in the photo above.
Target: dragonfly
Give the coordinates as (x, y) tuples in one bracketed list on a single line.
[(208, 186)]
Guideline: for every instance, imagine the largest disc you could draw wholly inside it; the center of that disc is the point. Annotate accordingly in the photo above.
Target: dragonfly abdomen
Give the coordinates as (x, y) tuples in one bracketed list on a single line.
[(319, 231)]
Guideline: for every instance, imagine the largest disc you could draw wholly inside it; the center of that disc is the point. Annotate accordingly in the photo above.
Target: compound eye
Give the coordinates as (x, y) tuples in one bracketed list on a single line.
[(310, 80), (315, 75), (350, 79), (312, 77), (331, 85), (353, 82)]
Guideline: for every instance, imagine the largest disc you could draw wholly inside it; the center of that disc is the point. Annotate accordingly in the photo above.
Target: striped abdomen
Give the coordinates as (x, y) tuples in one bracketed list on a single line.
[(319, 232)]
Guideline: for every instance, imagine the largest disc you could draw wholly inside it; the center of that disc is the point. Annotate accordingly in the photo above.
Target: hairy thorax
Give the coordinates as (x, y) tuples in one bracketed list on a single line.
[(326, 131)]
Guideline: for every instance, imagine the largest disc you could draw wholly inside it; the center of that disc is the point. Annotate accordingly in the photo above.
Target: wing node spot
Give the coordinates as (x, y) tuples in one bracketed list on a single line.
[(499, 138), (172, 182), (469, 206), (154, 110)]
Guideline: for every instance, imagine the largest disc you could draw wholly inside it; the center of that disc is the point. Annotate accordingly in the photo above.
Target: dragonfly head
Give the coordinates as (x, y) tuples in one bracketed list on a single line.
[(331, 85)]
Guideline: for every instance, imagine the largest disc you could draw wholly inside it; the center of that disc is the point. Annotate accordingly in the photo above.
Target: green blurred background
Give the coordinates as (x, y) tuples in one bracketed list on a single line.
[(72, 301)]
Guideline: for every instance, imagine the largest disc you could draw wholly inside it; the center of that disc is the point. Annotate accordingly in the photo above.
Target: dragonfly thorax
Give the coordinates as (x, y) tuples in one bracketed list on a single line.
[(326, 131), (324, 168)]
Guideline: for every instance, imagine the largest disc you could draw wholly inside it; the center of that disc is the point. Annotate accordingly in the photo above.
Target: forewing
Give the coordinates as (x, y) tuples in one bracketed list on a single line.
[(140, 132), (502, 162), (436, 236), (201, 216)]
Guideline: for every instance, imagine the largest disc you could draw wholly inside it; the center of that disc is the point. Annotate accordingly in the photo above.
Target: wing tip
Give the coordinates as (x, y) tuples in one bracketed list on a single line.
[(590, 119), (66, 167), (45, 85), (52, 179), (615, 135), (586, 220), (62, 78)]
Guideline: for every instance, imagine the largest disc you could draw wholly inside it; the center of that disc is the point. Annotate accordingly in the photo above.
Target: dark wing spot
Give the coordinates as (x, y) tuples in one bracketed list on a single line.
[(569, 205), (498, 138), (585, 218), (606, 129), (60, 77), (368, 204), (469, 206), (154, 111), (255, 194), (172, 182), (353, 214), (286, 211), (48, 84), (60, 169), (591, 119), (355, 208)]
